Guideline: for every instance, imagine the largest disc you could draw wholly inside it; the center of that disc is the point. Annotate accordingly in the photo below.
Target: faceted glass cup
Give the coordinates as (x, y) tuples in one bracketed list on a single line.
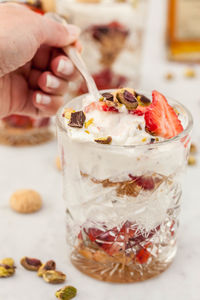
[(123, 202)]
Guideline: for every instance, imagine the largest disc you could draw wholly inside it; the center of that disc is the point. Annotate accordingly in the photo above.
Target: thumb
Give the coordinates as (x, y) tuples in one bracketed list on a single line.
[(58, 35)]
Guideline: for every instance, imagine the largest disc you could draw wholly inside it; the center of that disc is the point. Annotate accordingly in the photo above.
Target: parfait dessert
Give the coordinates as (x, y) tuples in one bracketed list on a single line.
[(122, 158), (17, 130), (112, 37)]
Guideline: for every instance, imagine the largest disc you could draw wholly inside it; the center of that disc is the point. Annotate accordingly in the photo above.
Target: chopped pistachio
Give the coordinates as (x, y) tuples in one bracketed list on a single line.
[(53, 276), (193, 148), (128, 99), (58, 163), (189, 73), (49, 265), (67, 112), (89, 122), (192, 160), (104, 140), (7, 261), (31, 264), (143, 101), (144, 139), (6, 271), (169, 76), (66, 293)]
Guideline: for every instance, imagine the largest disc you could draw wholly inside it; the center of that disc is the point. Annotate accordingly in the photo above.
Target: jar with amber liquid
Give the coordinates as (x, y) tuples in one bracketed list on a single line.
[(183, 30)]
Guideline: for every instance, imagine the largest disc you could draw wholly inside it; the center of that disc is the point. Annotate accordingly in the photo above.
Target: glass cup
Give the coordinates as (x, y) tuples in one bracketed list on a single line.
[(123, 202), (112, 39)]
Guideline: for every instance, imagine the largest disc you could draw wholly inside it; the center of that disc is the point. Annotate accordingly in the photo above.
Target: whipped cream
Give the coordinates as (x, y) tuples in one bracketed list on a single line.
[(124, 128), (125, 155)]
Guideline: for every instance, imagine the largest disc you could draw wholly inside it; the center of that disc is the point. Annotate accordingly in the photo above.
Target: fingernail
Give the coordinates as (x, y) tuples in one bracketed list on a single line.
[(52, 82), (42, 99), (65, 67), (73, 30)]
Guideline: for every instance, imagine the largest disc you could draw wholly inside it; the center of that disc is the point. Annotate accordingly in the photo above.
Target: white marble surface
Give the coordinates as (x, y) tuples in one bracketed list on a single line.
[(43, 234)]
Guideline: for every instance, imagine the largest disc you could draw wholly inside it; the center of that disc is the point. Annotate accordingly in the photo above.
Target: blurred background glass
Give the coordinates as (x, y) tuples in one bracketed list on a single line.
[(112, 39)]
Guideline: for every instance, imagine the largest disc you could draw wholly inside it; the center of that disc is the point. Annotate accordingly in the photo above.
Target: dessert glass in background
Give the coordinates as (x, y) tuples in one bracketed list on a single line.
[(16, 130), (123, 202), (112, 39)]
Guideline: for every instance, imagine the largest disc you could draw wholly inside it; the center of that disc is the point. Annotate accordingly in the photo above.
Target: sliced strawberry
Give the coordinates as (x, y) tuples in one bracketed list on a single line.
[(101, 106), (172, 228), (17, 121), (161, 119), (80, 236), (137, 112), (112, 109), (140, 111), (113, 240), (128, 231), (142, 256), (93, 233), (147, 183), (117, 239)]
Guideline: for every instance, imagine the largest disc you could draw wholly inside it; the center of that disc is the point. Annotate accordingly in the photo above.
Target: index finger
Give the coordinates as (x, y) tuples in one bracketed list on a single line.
[(58, 35)]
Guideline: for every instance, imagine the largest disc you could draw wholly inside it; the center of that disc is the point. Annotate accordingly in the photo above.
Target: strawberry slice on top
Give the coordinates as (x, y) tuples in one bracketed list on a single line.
[(161, 119)]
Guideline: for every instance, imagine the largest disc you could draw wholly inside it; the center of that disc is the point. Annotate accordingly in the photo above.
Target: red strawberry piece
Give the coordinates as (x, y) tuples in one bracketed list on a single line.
[(140, 111), (172, 228), (128, 231), (112, 241), (148, 245), (147, 183), (112, 109), (117, 25), (142, 256), (103, 79), (115, 240), (186, 140), (161, 119), (80, 236), (137, 112), (101, 106), (139, 237), (17, 121), (94, 106), (93, 234), (108, 236)]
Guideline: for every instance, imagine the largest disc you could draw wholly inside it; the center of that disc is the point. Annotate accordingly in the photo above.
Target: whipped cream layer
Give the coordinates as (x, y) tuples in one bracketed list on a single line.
[(124, 128), (130, 152)]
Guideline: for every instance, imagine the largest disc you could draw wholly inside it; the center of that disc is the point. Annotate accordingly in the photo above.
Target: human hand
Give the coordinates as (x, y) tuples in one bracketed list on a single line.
[(34, 73)]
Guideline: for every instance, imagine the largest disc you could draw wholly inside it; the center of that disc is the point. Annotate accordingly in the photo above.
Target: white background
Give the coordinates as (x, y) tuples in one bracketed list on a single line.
[(42, 234)]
